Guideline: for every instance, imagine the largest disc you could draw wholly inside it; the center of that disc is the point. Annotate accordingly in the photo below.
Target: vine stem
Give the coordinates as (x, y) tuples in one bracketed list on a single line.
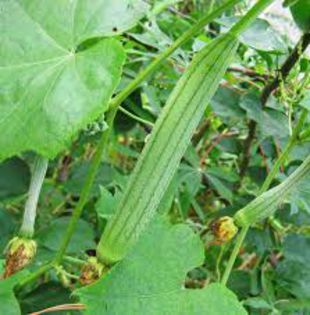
[(161, 7), (251, 15), (43, 269), (74, 260), (243, 232), (290, 144), (33, 276), (114, 105), (240, 238), (135, 117), (91, 175), (37, 178)]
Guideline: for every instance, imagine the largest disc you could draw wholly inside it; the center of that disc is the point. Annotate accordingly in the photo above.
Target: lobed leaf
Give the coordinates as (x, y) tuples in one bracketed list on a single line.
[(50, 87), (150, 279), (8, 302)]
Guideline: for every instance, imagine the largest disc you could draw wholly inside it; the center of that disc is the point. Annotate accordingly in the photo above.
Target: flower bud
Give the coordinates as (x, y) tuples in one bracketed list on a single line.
[(19, 253), (223, 229), (92, 271)]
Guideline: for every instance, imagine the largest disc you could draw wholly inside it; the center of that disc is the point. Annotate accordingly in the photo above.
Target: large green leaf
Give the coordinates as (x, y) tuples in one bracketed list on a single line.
[(8, 302), (50, 88), (150, 280)]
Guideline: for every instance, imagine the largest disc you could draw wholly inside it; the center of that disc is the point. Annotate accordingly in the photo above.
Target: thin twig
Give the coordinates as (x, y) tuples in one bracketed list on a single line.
[(286, 67), (250, 73), (62, 307), (264, 158), (201, 130), (278, 150)]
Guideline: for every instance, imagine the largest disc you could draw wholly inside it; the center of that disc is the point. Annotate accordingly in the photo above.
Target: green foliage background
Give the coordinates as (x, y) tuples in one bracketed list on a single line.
[(174, 267)]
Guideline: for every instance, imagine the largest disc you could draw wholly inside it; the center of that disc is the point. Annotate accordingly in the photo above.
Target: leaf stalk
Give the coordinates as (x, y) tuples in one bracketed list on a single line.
[(38, 175)]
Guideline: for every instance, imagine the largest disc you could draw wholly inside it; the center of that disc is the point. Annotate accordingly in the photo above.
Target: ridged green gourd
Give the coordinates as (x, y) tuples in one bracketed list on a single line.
[(266, 204), (169, 140)]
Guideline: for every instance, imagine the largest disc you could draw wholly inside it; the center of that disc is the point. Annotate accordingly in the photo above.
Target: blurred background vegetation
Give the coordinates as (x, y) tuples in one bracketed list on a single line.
[(234, 148)]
